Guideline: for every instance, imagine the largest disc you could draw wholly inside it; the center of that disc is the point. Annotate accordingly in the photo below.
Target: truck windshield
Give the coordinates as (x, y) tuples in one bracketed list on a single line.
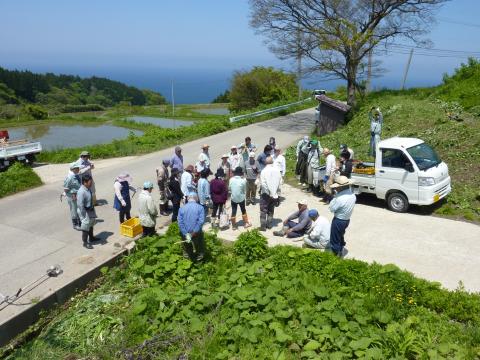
[(424, 156)]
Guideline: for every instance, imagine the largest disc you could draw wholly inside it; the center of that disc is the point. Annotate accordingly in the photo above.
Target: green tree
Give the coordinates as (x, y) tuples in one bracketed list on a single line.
[(222, 98), (261, 85), (36, 111)]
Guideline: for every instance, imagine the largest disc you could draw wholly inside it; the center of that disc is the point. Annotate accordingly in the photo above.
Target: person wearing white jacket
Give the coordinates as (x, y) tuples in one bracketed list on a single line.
[(318, 237), (330, 168), (270, 179), (147, 210)]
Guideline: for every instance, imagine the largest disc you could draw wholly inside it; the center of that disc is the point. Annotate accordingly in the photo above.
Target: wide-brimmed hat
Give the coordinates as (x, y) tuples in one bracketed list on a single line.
[(124, 177), (205, 146), (189, 168), (233, 147), (84, 153), (326, 151), (238, 171), (251, 154), (74, 165), (302, 202), (341, 181), (225, 156)]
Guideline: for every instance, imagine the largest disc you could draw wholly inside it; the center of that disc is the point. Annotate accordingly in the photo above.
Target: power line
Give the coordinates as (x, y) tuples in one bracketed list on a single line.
[(452, 21)]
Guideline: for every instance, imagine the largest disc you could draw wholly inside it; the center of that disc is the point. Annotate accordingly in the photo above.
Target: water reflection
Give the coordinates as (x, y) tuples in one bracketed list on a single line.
[(162, 122), (70, 136)]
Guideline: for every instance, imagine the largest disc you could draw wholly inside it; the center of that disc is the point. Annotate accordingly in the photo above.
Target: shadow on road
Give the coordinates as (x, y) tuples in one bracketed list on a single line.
[(103, 236)]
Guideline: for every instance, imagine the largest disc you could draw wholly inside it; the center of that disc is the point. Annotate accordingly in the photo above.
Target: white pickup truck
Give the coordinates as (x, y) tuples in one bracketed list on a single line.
[(18, 150), (406, 171)]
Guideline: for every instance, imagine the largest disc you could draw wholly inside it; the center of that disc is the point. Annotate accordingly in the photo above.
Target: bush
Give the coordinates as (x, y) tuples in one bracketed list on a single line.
[(36, 111), (251, 245), (82, 108), (17, 178), (262, 85)]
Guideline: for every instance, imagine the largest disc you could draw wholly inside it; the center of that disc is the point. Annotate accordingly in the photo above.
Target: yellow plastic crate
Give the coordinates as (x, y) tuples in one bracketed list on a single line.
[(131, 227), (365, 171)]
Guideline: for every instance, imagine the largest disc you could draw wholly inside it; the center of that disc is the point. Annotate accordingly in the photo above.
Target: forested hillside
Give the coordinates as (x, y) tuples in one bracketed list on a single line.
[(53, 90)]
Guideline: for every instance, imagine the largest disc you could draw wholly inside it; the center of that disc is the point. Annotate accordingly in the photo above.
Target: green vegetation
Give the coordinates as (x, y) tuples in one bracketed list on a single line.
[(290, 303), (17, 178), (445, 125), (261, 85), (222, 98), (64, 93)]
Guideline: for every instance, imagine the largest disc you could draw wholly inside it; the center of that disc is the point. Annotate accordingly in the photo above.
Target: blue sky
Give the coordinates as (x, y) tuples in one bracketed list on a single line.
[(195, 43)]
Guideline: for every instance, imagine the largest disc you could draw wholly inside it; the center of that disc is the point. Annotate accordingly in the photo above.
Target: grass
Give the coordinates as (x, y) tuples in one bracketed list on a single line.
[(17, 178), (253, 302)]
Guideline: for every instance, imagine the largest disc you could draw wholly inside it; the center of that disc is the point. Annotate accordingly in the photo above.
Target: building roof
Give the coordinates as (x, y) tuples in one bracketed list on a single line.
[(338, 105)]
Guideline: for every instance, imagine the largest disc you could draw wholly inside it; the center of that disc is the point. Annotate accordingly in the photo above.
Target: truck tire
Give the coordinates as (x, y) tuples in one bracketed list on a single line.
[(397, 202)]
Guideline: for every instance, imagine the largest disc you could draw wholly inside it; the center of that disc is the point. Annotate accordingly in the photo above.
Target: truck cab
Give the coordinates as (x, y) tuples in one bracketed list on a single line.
[(406, 171)]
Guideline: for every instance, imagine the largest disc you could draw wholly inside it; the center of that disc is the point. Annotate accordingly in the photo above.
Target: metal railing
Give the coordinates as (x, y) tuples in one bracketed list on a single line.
[(266, 111)]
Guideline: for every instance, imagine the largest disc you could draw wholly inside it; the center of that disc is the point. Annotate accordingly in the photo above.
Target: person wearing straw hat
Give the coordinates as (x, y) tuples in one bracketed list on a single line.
[(162, 181), (341, 206), (86, 167), (293, 229), (251, 175), (204, 157), (191, 218), (71, 185), (238, 190), (225, 165), (121, 200), (147, 211)]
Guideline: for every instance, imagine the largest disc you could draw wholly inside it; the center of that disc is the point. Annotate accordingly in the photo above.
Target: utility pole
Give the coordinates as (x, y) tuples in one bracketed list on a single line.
[(406, 69), (173, 109)]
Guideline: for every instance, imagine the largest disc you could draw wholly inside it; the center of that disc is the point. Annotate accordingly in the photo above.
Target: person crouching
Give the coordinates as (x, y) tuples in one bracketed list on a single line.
[(293, 229)]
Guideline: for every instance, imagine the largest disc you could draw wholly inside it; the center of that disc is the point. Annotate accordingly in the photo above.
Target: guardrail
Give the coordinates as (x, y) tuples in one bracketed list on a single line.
[(266, 111)]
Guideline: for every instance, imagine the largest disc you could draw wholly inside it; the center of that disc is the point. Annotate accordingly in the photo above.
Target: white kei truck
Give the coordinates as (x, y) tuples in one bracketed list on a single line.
[(17, 150), (406, 171)]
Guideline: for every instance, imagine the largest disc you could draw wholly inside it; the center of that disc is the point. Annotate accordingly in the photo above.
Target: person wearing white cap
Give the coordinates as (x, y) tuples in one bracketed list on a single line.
[(251, 175), (235, 159), (86, 167), (341, 206), (204, 156), (147, 211), (121, 201), (294, 229), (71, 185)]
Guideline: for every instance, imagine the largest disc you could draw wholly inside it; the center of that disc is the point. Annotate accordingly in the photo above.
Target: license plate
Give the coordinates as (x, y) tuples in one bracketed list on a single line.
[(21, 157), (436, 197)]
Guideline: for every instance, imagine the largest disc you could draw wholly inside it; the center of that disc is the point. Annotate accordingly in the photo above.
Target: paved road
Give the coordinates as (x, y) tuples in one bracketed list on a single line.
[(35, 230)]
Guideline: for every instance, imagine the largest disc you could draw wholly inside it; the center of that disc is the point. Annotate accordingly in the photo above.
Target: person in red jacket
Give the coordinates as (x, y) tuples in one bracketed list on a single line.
[(219, 195)]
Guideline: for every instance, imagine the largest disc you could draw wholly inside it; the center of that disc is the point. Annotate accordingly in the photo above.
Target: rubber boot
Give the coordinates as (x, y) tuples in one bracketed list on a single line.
[(86, 242), (269, 221), (163, 209), (233, 220), (309, 188), (246, 223), (91, 237), (281, 232), (316, 190), (263, 223), (94, 200)]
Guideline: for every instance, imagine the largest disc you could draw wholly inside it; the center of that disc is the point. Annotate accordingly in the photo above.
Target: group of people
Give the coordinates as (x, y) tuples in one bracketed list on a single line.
[(240, 176)]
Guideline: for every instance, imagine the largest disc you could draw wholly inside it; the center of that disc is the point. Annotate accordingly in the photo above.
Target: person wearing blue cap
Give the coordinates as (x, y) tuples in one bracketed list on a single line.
[(147, 210), (318, 237), (191, 218)]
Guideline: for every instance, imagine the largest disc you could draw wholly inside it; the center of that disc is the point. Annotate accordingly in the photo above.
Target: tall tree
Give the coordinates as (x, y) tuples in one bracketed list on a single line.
[(337, 35)]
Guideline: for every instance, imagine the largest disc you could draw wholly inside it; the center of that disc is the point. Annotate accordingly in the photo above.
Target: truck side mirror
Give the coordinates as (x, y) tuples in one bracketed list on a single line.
[(409, 167)]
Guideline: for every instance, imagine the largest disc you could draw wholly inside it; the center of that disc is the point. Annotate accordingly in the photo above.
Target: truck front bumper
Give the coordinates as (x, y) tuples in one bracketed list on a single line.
[(432, 194)]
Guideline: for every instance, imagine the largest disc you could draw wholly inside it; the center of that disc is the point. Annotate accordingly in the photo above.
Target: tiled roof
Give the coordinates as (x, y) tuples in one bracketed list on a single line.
[(338, 105)]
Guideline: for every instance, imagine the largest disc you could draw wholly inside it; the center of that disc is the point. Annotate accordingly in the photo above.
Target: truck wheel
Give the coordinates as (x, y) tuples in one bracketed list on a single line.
[(397, 202)]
